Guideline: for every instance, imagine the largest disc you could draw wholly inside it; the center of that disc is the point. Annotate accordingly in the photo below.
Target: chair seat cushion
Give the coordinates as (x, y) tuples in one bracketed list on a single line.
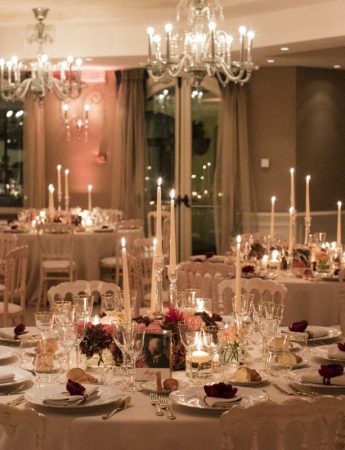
[(12, 308), (111, 262), (57, 264)]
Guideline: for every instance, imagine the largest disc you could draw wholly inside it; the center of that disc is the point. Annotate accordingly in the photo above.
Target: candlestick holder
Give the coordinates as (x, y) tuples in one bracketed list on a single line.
[(172, 275), (66, 203), (159, 267), (307, 232), (59, 197)]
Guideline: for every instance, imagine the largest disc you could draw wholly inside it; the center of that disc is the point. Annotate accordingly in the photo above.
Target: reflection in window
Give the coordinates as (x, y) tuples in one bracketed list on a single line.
[(11, 153)]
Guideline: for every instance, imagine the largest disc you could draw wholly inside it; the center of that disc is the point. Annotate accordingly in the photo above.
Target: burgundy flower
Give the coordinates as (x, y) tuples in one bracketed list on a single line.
[(248, 269), (299, 327), (173, 314), (220, 390), (341, 346), (19, 329), (330, 371), (75, 388)]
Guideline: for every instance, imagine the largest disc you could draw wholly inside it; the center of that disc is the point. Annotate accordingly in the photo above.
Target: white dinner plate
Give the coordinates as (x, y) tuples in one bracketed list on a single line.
[(7, 334), (322, 353), (330, 333), (20, 376), (6, 353), (106, 395), (193, 398), (151, 385)]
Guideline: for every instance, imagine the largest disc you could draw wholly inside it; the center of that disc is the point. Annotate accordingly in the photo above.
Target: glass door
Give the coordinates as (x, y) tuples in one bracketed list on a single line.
[(182, 125)]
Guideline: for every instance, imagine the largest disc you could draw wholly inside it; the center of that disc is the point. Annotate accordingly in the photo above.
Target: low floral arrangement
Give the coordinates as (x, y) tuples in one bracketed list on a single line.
[(229, 352), (322, 261), (96, 339)]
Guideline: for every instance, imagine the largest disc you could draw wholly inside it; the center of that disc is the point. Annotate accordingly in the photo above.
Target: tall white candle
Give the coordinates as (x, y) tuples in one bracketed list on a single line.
[(66, 189), (153, 278), (126, 296), (159, 250), (291, 229), (292, 188), (307, 199), (273, 201), (172, 232), (339, 225), (51, 210), (238, 276), (89, 189), (59, 192)]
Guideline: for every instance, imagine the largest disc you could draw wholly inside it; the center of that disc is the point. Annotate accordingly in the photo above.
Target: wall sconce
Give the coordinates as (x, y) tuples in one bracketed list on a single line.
[(80, 124)]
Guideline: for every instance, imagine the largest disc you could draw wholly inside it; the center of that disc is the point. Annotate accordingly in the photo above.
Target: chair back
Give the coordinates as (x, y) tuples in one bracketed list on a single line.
[(56, 242), (314, 424), (15, 278), (8, 241), (263, 291), (69, 289), (11, 418)]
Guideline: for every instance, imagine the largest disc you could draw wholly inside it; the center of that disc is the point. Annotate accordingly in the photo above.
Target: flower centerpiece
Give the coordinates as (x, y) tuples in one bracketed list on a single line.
[(97, 338), (229, 349), (322, 261)]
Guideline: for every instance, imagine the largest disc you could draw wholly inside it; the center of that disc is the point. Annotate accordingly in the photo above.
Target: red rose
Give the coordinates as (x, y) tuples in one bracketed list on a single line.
[(220, 390)]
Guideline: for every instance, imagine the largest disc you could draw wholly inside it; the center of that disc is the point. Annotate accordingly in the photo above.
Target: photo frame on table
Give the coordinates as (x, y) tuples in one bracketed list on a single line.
[(156, 356)]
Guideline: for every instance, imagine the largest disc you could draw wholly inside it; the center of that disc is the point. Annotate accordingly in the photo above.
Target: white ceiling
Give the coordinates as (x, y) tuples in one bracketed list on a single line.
[(113, 32)]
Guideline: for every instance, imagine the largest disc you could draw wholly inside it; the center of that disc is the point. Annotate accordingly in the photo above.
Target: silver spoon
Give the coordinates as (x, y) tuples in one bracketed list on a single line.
[(123, 405)]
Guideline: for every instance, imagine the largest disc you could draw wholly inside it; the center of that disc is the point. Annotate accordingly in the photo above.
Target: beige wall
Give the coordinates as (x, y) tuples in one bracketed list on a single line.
[(272, 133), (80, 157)]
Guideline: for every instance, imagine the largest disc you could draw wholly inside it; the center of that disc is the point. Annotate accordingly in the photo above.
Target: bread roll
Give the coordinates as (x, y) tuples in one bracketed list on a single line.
[(80, 376), (246, 375), (288, 358)]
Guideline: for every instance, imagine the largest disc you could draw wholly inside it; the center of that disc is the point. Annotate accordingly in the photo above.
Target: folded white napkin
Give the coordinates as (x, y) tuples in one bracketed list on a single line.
[(65, 400), (8, 333), (216, 402), (315, 378), (335, 353), (6, 377), (311, 332)]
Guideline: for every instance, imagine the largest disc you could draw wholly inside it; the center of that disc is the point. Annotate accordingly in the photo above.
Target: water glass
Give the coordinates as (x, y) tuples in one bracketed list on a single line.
[(44, 322), (83, 305), (68, 339), (63, 311), (47, 367)]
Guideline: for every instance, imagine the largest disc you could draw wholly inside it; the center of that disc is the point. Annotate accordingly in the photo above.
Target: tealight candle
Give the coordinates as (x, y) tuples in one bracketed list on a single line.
[(200, 357)]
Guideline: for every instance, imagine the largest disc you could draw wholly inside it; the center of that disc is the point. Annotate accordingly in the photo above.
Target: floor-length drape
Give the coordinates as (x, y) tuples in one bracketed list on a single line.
[(34, 154), (129, 157), (234, 199)]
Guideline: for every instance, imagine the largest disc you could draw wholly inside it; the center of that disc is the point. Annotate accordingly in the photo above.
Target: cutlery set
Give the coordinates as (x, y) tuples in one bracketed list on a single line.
[(161, 404)]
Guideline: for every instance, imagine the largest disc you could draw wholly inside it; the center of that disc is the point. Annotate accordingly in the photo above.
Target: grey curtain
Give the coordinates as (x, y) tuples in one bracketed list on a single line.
[(128, 163), (35, 187), (234, 200)]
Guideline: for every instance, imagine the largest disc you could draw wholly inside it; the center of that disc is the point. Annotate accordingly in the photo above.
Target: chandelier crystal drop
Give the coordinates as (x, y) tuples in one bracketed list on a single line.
[(40, 76), (196, 46)]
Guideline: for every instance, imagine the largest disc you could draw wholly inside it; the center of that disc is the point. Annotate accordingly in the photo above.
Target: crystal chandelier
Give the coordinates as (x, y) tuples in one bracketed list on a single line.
[(40, 76), (196, 46)]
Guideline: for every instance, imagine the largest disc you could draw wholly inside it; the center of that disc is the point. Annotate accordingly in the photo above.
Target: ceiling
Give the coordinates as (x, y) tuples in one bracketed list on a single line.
[(112, 33)]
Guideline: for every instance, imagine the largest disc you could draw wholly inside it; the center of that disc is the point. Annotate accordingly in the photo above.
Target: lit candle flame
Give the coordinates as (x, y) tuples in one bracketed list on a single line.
[(172, 194), (123, 242)]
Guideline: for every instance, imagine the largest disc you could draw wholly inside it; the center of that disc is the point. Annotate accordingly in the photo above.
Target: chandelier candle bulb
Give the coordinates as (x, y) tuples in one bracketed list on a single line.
[(168, 29), (238, 276), (153, 277), (126, 296), (159, 218), (212, 28), (339, 224), (172, 232), (273, 201), (307, 200), (89, 189), (242, 30)]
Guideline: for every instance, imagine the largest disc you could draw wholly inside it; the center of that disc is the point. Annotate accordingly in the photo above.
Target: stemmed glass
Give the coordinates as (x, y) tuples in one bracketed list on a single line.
[(44, 322), (63, 311), (68, 339), (47, 367), (83, 305), (130, 341)]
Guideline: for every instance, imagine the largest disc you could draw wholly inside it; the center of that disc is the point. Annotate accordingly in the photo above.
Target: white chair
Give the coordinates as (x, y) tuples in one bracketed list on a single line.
[(57, 264), (68, 290), (263, 290), (11, 418), (14, 287), (317, 424), (151, 221), (8, 241), (111, 266)]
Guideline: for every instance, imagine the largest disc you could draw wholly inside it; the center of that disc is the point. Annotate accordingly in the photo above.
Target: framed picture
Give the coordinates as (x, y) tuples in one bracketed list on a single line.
[(155, 357)]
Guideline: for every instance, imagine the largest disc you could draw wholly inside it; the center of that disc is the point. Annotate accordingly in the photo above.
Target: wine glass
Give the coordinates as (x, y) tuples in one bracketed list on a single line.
[(44, 322), (83, 305), (64, 311), (68, 338)]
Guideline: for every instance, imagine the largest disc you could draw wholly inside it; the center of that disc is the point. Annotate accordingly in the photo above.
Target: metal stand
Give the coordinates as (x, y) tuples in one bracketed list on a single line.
[(159, 267), (172, 275)]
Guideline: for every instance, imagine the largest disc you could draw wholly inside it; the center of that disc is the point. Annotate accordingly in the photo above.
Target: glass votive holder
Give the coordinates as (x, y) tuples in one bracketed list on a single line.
[(204, 305), (198, 357)]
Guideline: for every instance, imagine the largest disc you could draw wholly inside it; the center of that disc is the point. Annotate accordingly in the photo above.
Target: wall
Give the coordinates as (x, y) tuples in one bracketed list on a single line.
[(321, 136), (80, 157), (272, 133)]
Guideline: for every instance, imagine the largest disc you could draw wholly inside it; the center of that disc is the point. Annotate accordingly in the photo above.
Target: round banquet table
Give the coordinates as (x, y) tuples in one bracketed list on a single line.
[(137, 427), (88, 249)]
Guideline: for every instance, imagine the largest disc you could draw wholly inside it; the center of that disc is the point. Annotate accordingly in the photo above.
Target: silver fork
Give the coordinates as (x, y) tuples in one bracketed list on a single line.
[(155, 402), (17, 401), (163, 402), (294, 393)]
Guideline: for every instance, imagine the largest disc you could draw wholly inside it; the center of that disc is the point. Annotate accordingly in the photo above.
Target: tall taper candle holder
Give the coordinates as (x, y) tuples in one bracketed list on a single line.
[(66, 203), (172, 275), (59, 197), (159, 267)]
